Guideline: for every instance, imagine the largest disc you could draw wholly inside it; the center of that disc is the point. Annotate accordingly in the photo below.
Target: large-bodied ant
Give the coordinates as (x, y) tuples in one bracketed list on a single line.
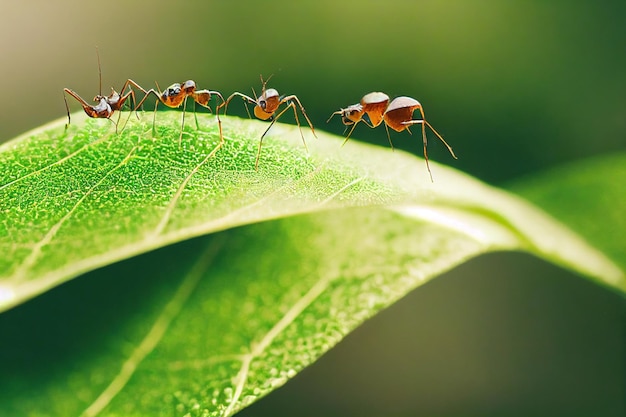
[(105, 105), (176, 95), (372, 104), (266, 106), (397, 115)]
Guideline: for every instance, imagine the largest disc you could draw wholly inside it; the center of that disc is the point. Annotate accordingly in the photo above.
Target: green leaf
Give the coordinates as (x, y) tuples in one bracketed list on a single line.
[(589, 196), (207, 326)]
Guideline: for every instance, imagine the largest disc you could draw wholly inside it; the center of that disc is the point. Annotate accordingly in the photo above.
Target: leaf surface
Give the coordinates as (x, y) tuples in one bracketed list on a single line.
[(207, 326)]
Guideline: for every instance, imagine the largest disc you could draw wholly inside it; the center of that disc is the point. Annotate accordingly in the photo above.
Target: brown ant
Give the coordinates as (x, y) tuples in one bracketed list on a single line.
[(265, 107), (372, 104), (176, 95), (106, 105), (398, 115)]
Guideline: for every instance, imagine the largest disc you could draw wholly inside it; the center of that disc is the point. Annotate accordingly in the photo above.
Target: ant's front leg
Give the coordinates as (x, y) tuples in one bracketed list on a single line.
[(247, 99)]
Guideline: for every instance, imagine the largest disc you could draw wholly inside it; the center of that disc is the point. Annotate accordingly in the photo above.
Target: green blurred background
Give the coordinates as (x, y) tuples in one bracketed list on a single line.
[(516, 87)]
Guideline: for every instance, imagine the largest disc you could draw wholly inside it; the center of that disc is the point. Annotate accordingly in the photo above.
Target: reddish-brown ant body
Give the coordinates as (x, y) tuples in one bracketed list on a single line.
[(397, 115), (106, 105), (176, 95), (266, 106), (372, 104)]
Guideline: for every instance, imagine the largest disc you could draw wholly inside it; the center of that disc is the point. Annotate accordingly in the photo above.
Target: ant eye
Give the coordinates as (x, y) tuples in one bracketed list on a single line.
[(263, 104)]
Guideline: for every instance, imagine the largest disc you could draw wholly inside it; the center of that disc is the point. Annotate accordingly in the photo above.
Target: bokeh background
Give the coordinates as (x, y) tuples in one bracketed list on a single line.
[(516, 87)]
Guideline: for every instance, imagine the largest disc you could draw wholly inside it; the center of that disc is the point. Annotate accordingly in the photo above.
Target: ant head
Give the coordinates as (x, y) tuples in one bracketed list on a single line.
[(189, 86), (99, 98), (350, 115), (269, 100), (269, 95)]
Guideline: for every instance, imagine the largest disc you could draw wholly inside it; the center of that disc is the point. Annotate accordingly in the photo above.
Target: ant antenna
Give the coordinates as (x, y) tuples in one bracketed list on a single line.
[(254, 93), (337, 112), (99, 71), (264, 82)]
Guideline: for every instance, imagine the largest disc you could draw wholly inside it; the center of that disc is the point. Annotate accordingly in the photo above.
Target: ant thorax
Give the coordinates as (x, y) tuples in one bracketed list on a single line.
[(173, 90), (173, 95), (269, 101), (100, 110), (375, 105)]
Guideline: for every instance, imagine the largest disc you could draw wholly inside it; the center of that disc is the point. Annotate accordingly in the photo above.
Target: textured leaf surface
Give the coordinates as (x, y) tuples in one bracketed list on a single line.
[(207, 326)]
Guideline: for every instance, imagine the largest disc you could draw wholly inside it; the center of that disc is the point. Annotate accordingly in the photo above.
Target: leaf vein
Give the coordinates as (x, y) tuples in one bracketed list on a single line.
[(60, 161), (172, 205), (258, 348), (30, 260), (156, 333)]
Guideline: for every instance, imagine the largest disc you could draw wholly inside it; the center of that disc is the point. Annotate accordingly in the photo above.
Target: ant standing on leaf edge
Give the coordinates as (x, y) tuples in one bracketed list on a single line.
[(176, 95), (397, 115), (266, 106), (105, 105)]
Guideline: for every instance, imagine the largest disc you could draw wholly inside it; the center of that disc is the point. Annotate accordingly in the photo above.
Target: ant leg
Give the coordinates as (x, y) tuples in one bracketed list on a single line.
[(437, 133), (147, 94), (156, 105), (425, 142), (116, 123), (295, 115), (217, 114), (389, 137), (219, 124), (349, 133), (195, 115), (67, 108), (130, 94), (119, 117), (78, 98), (182, 124), (297, 100), (203, 97), (246, 98), (368, 124), (128, 84), (274, 119), (441, 138)]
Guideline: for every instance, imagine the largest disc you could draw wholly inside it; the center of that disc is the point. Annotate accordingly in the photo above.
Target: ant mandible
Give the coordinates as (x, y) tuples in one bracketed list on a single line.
[(398, 115), (176, 95), (106, 105), (265, 107)]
